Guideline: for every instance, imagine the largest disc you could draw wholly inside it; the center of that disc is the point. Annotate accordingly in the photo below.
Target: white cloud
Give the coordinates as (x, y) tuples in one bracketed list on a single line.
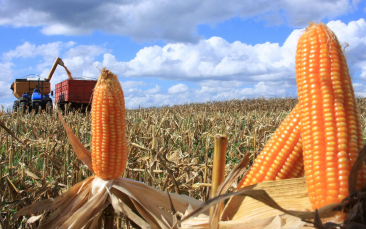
[(60, 29), (212, 59), (5, 70), (160, 19), (137, 97), (6, 73), (360, 89), (154, 90), (27, 50), (131, 84), (216, 60), (261, 89), (5, 91), (85, 50), (178, 88), (353, 38), (218, 69), (224, 70), (78, 59), (218, 83)]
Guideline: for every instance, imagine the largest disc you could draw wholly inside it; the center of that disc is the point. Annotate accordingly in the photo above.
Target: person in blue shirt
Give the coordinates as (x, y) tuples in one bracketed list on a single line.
[(36, 89)]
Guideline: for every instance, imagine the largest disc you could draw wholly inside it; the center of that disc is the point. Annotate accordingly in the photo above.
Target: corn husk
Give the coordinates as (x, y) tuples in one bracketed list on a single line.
[(200, 222), (278, 221), (291, 194), (265, 205), (84, 202)]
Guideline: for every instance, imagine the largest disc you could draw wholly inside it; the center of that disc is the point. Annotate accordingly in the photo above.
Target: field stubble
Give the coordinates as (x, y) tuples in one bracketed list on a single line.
[(170, 148)]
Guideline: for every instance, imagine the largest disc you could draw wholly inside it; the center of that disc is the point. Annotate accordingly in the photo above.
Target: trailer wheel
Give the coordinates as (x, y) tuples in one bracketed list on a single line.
[(16, 106), (49, 107), (23, 107)]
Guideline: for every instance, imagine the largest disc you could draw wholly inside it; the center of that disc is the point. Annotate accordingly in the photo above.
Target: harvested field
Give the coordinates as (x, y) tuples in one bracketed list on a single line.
[(169, 148)]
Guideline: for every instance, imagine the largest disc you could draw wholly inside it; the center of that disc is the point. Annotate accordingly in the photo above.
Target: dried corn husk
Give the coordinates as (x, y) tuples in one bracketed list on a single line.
[(199, 222), (278, 221), (291, 194), (273, 204)]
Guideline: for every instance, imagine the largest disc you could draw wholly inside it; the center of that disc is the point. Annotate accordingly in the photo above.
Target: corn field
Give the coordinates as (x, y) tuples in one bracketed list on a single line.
[(169, 148)]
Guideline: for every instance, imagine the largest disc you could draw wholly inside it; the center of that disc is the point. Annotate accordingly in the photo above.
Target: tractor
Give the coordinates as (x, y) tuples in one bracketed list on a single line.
[(33, 92), (33, 100)]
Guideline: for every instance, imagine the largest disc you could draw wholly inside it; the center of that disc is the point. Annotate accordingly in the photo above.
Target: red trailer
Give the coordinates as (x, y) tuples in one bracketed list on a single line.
[(75, 93)]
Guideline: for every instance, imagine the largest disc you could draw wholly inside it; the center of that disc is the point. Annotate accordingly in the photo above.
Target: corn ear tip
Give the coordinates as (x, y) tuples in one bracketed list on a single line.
[(105, 76), (330, 34)]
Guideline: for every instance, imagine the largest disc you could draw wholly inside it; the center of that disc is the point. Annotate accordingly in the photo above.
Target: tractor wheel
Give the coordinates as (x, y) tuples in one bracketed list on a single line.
[(23, 107), (16, 106), (49, 107)]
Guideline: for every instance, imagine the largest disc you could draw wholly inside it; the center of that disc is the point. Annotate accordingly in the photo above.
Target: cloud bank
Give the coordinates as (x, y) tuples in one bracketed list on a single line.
[(145, 20), (211, 69)]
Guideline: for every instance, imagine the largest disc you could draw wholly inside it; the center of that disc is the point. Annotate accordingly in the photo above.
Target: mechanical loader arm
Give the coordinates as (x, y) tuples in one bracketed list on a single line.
[(57, 61)]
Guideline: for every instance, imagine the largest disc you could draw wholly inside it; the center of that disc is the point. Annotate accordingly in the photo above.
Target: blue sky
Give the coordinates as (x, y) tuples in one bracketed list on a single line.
[(167, 53)]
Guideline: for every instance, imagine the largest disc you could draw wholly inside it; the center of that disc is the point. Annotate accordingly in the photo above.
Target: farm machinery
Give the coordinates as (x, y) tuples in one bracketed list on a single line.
[(35, 100), (33, 92), (75, 94)]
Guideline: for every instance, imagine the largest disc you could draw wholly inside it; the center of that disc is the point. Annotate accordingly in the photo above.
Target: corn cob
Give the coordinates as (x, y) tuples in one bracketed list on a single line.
[(109, 152), (281, 156), (294, 165), (330, 125)]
